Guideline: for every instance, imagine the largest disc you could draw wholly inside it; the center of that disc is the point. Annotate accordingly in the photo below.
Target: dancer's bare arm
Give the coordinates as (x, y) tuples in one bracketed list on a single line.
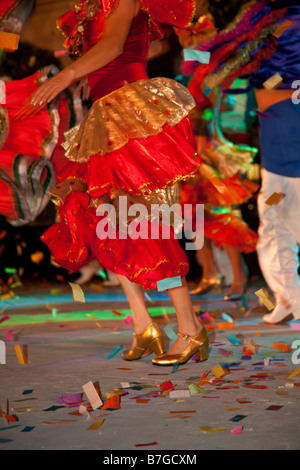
[(106, 50)]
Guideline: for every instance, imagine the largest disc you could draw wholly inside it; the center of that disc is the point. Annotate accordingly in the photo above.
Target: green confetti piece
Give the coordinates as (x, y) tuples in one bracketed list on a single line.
[(194, 389), (10, 270)]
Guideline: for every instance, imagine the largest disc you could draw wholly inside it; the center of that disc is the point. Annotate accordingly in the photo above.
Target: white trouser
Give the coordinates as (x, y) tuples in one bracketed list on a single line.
[(279, 233)]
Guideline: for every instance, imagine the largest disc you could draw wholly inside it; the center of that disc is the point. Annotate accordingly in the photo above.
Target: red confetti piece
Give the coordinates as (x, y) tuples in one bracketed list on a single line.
[(112, 402), (166, 385), (117, 313), (149, 444)]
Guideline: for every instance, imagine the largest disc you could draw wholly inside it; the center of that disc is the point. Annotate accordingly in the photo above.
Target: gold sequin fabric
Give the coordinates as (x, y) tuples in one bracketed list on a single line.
[(228, 159), (136, 110), (4, 125)]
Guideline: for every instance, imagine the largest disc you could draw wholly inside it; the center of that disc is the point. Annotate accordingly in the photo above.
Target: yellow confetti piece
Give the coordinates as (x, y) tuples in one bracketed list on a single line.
[(24, 408), (96, 425), (78, 294), (9, 41), (37, 257), (263, 296), (219, 371), (233, 408), (273, 82), (250, 345), (166, 315), (274, 198), (293, 374), (209, 430), (22, 354)]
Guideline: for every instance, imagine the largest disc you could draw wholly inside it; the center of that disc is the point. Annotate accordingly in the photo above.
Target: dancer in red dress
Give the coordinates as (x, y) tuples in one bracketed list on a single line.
[(135, 141), (220, 184)]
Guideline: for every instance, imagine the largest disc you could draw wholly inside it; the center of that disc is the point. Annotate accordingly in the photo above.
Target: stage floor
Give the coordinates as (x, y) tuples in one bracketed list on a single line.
[(253, 404)]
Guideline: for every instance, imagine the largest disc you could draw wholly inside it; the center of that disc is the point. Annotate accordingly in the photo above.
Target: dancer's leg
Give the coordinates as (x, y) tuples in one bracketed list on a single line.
[(136, 300), (210, 279), (278, 244), (209, 270), (239, 277), (188, 323)]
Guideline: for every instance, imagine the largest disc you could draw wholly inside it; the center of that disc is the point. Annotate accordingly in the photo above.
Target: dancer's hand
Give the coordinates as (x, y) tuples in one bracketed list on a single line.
[(46, 93)]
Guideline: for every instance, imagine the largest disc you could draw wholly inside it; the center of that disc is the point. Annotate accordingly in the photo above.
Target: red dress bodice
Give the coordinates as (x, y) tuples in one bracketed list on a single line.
[(129, 67)]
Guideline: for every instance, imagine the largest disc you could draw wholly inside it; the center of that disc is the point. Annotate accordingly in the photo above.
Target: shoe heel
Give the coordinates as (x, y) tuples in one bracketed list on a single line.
[(157, 346), (202, 353)]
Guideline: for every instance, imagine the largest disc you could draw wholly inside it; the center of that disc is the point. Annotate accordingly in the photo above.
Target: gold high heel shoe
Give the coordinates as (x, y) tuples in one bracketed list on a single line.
[(197, 345), (206, 285), (151, 338)]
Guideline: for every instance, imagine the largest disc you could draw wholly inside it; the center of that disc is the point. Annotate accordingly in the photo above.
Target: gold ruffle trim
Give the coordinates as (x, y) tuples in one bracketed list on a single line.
[(137, 110)]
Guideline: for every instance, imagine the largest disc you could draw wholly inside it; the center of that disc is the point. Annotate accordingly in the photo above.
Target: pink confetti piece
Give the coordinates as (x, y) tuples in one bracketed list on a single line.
[(206, 316), (128, 320), (274, 407), (6, 317), (295, 326), (247, 313), (238, 430), (60, 53), (9, 336), (70, 398)]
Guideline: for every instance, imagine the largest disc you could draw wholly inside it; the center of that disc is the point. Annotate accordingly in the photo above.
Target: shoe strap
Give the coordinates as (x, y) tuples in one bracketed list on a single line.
[(189, 338)]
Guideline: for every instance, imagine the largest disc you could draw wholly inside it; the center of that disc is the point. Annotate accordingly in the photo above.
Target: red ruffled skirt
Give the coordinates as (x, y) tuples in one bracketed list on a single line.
[(138, 142), (220, 187)]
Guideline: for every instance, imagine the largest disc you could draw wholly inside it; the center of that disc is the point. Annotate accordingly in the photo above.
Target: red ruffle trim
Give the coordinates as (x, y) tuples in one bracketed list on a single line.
[(73, 242), (150, 163), (228, 192), (229, 230)]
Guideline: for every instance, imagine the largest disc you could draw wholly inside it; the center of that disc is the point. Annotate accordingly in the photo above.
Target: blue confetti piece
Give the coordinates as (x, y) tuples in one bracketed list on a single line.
[(169, 283), (113, 352), (54, 408), (28, 428), (237, 418), (10, 427), (244, 301), (227, 317), (170, 333), (206, 90), (175, 368), (193, 55), (233, 339)]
